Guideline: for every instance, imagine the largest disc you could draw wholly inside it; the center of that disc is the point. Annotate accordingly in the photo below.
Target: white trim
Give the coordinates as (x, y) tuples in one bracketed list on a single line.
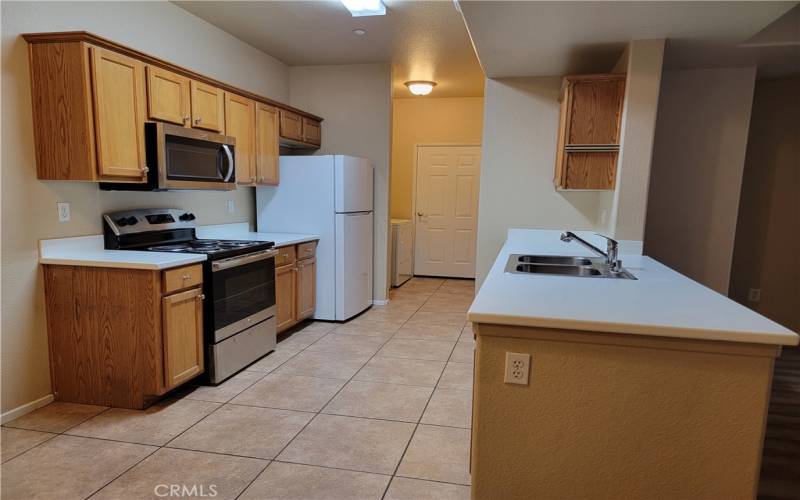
[(26, 408), (414, 193), (377, 302)]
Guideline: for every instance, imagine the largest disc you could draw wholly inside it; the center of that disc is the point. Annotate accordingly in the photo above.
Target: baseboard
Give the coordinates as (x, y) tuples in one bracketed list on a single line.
[(26, 408), (380, 302)]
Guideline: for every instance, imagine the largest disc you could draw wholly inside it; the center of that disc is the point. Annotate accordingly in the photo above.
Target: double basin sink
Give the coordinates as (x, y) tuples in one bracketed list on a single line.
[(562, 265)]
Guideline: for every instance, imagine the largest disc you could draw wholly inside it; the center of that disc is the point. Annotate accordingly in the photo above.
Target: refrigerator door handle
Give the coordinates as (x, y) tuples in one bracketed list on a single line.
[(365, 212)]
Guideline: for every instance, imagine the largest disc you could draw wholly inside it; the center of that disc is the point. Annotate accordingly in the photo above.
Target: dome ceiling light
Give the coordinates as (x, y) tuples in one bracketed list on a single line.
[(420, 87)]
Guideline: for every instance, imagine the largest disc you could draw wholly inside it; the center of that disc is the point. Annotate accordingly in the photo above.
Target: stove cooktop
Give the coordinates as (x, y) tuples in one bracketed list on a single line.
[(213, 248)]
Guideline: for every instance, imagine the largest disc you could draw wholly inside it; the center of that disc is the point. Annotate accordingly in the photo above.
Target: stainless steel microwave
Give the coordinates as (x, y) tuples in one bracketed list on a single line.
[(180, 158)]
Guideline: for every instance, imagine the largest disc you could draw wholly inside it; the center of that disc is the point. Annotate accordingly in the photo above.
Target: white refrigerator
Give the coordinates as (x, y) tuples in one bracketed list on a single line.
[(330, 196)]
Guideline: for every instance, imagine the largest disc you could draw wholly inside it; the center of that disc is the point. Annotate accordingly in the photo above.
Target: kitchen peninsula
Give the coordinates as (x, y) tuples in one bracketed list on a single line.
[(654, 387)]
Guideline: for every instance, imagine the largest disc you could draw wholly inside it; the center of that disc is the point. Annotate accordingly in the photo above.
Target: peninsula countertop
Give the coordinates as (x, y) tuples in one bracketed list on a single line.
[(660, 302)]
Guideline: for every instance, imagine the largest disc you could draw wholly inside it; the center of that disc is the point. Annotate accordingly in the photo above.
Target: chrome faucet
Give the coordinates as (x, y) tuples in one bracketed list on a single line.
[(612, 250)]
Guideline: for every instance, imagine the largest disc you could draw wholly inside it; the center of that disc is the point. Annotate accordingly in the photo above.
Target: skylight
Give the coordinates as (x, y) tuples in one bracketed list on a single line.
[(360, 8)]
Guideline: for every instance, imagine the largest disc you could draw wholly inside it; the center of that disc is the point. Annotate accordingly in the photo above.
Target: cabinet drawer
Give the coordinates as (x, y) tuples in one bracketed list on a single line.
[(306, 250), (286, 255), (182, 277)]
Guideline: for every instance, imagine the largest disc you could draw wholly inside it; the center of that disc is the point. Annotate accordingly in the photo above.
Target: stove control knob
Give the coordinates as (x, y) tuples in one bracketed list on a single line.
[(122, 221), (132, 220), (187, 216)]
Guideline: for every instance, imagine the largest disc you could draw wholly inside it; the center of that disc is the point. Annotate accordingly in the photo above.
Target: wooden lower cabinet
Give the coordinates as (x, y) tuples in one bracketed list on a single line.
[(295, 284), (116, 338)]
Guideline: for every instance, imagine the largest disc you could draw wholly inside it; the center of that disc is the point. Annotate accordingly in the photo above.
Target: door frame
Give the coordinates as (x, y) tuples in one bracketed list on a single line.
[(414, 188)]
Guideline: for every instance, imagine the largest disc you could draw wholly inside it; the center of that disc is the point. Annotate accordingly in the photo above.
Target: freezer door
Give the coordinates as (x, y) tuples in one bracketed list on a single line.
[(353, 184), (353, 264)]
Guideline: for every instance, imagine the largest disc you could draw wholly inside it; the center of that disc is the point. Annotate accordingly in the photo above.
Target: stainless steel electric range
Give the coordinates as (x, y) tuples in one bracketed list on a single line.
[(238, 283)]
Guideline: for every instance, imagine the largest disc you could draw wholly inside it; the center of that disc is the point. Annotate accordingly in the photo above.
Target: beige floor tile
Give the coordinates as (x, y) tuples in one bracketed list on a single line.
[(450, 407), (375, 400), (463, 352), (272, 360), (56, 417), (214, 476), (461, 284), (401, 371), (366, 330), (403, 488), (457, 376), (318, 326), (155, 425), (467, 335), (438, 303), (438, 454), (14, 442), (290, 392), (246, 431), (348, 344), (429, 332), (439, 318), (223, 392), (67, 467), (389, 315), (323, 364), (283, 481), (300, 339), (358, 444), (461, 292), (386, 325), (434, 350)]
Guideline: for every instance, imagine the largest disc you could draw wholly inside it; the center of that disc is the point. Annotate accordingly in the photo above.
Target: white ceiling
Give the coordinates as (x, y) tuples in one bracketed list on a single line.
[(557, 38), (422, 40)]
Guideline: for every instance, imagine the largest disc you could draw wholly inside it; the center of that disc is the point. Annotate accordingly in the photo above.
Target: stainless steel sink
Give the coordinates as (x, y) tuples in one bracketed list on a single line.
[(562, 265), (555, 259)]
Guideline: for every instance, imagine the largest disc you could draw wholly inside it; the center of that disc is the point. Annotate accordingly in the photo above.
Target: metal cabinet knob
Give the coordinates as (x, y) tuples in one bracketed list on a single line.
[(145, 169), (420, 214), (202, 296), (186, 118), (198, 120), (186, 277)]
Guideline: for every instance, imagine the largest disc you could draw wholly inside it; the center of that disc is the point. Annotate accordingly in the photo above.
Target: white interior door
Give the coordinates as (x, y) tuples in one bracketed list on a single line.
[(446, 218)]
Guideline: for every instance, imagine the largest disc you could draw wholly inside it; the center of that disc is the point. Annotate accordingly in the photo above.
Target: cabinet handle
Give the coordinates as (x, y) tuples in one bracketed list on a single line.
[(198, 120), (202, 296), (145, 169), (260, 179), (186, 277), (253, 178), (186, 118)]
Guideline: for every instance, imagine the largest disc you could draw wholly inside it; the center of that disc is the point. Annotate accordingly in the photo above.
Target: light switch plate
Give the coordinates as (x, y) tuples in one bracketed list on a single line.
[(231, 206), (518, 367), (63, 211)]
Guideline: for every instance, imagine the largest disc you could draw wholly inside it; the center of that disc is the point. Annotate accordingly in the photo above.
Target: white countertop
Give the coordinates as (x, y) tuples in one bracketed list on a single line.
[(661, 302), (90, 250)]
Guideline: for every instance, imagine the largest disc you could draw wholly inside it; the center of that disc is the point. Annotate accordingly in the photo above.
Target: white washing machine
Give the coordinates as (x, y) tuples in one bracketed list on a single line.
[(402, 251)]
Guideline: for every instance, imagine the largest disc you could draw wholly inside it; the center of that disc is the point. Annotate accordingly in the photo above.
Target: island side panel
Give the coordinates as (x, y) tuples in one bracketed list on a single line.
[(104, 327), (613, 416)]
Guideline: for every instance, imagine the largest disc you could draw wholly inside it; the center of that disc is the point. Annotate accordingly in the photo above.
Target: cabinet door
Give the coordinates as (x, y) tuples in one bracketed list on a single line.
[(306, 287), (267, 149), (240, 124), (183, 336), (168, 96), (208, 107), (118, 94), (285, 292), (311, 131), (595, 111), (291, 125)]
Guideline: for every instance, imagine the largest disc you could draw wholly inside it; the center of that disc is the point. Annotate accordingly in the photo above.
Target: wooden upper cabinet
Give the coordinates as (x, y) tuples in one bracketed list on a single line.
[(267, 147), (291, 125), (240, 124), (168, 96), (183, 336), (118, 98), (208, 107), (311, 131), (589, 132)]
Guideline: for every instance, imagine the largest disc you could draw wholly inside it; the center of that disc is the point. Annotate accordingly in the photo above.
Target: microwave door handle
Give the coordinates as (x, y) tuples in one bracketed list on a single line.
[(231, 164)]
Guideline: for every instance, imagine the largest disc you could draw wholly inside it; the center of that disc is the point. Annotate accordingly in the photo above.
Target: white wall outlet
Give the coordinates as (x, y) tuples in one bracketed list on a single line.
[(231, 206), (63, 211), (518, 367), (754, 295)]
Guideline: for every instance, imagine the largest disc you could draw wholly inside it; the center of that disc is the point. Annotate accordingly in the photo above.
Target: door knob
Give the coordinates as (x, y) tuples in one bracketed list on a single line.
[(420, 214)]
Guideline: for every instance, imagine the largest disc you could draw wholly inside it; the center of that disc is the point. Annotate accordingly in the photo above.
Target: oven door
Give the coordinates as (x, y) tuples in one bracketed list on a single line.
[(242, 291), (194, 159)]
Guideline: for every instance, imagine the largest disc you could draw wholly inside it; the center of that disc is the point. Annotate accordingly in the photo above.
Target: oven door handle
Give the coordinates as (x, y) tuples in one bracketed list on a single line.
[(244, 259), (231, 164)]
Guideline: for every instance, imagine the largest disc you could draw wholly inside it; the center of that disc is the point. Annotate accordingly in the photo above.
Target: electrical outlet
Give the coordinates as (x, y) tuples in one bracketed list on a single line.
[(518, 368), (63, 211), (231, 206), (754, 295)]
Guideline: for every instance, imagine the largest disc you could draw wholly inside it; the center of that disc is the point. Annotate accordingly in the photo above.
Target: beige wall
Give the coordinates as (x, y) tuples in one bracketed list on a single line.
[(29, 205), (698, 160), (520, 127), (766, 233), (456, 120), (357, 122)]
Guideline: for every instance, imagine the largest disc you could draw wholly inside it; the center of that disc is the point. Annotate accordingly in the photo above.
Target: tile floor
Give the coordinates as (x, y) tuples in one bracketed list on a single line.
[(378, 407)]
